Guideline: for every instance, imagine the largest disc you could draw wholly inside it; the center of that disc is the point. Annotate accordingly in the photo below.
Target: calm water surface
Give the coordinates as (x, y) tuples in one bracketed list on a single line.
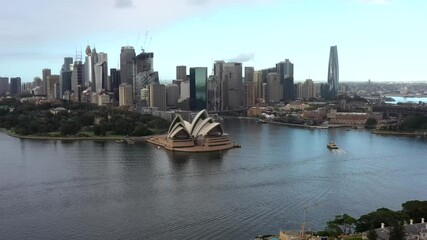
[(104, 190)]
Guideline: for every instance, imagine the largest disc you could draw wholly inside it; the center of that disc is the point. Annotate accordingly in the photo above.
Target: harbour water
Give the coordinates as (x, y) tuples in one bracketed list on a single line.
[(400, 99), (105, 190)]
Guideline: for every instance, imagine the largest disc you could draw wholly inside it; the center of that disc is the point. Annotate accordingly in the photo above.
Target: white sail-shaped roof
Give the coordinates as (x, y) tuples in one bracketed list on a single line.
[(201, 125)]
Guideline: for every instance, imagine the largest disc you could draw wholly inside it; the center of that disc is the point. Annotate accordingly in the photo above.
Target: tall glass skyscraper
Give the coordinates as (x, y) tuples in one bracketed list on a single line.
[(333, 72), (198, 88), (285, 70)]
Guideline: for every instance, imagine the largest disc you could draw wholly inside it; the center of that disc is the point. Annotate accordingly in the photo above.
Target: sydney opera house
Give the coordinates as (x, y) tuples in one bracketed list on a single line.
[(203, 134)]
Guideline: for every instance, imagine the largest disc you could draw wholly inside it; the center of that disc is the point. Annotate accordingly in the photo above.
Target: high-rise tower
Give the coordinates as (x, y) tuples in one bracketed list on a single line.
[(285, 70), (144, 73), (198, 88), (127, 55), (333, 72)]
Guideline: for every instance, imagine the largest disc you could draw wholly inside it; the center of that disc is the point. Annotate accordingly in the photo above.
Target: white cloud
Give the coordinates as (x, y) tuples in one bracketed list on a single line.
[(243, 57), (123, 4)]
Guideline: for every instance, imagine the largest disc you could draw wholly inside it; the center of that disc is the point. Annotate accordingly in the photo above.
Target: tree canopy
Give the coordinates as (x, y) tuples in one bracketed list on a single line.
[(73, 118)]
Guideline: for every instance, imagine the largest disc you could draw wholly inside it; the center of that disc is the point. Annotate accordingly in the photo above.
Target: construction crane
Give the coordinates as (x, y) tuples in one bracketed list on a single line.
[(145, 42)]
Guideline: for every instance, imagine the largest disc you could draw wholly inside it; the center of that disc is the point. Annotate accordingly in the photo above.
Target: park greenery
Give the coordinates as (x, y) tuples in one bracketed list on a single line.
[(410, 123), (64, 119), (346, 224)]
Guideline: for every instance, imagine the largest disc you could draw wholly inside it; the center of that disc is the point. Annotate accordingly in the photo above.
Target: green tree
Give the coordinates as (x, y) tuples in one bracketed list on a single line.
[(372, 235), (371, 123), (374, 219), (397, 232), (69, 127), (141, 130), (415, 209), (342, 224)]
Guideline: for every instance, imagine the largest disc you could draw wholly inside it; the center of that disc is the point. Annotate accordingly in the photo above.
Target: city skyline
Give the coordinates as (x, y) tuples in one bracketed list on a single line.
[(372, 35)]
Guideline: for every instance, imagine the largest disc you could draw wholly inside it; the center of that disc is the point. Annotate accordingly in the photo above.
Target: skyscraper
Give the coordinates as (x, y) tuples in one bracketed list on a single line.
[(144, 73), (15, 86), (77, 80), (105, 83), (125, 95), (181, 73), (4, 86), (285, 70), (115, 82), (198, 88), (233, 79), (249, 74), (89, 68), (218, 86), (45, 73), (51, 81), (274, 88), (127, 55), (158, 96), (333, 72), (65, 76)]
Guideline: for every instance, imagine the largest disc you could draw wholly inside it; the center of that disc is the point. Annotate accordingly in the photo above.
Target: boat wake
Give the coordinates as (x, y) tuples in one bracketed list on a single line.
[(338, 151)]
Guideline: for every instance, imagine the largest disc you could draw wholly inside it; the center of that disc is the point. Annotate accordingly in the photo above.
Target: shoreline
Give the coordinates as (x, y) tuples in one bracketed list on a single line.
[(76, 138), (293, 124), (400, 133)]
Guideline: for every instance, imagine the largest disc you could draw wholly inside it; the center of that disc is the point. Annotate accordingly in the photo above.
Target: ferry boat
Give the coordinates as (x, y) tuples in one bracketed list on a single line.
[(332, 145)]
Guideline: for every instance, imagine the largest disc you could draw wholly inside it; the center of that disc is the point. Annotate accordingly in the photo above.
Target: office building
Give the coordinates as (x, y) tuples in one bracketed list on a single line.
[(125, 94), (127, 56), (89, 68), (232, 86), (198, 88), (144, 73), (101, 77), (65, 76), (158, 96), (45, 73), (115, 83), (249, 74), (216, 100), (172, 95), (77, 81), (274, 88), (181, 73), (101, 74), (51, 81), (285, 70), (249, 94), (185, 91), (258, 85), (4, 86), (308, 89), (15, 86), (333, 72)]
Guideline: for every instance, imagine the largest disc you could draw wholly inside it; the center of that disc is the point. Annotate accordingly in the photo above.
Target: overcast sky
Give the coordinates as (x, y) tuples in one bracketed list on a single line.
[(381, 40)]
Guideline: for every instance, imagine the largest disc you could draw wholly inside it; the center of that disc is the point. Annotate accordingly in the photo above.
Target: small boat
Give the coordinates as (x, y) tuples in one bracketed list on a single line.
[(120, 141), (332, 145)]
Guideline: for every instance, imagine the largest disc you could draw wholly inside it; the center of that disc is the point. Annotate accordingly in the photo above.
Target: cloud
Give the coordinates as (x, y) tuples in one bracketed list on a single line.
[(243, 57), (123, 4)]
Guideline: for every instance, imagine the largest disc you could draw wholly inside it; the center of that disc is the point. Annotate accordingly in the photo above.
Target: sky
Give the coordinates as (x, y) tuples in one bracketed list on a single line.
[(381, 40)]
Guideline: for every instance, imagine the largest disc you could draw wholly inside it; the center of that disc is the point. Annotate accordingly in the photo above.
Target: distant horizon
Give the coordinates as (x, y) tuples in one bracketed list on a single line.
[(376, 39)]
